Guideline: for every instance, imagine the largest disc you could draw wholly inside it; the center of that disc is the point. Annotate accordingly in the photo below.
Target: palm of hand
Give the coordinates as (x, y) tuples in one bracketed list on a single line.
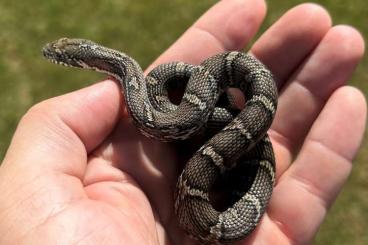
[(121, 190)]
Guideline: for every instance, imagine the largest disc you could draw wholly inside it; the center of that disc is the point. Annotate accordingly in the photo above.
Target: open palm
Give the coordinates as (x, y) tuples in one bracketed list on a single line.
[(78, 172)]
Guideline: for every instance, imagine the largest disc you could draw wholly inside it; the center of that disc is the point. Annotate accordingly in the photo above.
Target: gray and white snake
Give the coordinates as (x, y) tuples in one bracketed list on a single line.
[(242, 141)]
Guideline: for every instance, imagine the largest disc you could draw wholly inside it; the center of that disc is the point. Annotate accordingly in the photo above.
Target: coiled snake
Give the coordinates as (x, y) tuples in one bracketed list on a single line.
[(242, 141)]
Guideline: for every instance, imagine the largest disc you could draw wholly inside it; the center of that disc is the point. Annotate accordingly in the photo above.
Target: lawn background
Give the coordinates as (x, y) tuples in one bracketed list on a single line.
[(144, 29)]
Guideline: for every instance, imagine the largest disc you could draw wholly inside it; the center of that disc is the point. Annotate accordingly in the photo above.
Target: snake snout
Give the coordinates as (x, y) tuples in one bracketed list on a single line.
[(69, 52), (47, 52), (61, 52)]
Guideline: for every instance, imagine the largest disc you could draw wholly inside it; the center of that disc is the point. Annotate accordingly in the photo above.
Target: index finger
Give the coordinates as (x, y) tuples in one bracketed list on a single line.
[(228, 25)]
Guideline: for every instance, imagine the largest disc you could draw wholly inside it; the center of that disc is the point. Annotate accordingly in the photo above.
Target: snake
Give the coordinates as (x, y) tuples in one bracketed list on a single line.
[(240, 142)]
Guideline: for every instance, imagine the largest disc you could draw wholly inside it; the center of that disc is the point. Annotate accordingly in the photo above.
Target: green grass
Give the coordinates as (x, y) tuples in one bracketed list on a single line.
[(144, 29)]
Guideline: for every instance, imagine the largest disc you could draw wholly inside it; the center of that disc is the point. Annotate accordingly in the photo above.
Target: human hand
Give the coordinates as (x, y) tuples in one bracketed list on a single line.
[(77, 171)]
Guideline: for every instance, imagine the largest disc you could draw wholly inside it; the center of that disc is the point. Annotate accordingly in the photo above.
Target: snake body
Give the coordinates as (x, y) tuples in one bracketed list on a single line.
[(242, 141)]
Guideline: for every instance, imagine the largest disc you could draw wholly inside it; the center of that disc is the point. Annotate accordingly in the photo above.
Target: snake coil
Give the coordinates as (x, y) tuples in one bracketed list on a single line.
[(241, 142)]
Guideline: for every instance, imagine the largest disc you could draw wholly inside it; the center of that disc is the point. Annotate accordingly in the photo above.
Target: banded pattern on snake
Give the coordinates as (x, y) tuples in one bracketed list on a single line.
[(242, 140)]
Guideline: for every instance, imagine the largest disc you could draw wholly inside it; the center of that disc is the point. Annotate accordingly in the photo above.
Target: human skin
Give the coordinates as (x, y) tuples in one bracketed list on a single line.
[(78, 172)]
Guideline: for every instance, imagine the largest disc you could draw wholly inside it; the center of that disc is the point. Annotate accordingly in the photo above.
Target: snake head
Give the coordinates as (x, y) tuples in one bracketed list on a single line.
[(69, 52)]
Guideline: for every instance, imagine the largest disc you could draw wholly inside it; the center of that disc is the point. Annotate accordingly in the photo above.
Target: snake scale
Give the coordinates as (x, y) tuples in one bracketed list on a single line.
[(242, 140)]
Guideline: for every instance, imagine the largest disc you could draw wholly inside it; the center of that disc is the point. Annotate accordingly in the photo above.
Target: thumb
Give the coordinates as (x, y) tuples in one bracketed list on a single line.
[(57, 134), (49, 150), (41, 174)]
